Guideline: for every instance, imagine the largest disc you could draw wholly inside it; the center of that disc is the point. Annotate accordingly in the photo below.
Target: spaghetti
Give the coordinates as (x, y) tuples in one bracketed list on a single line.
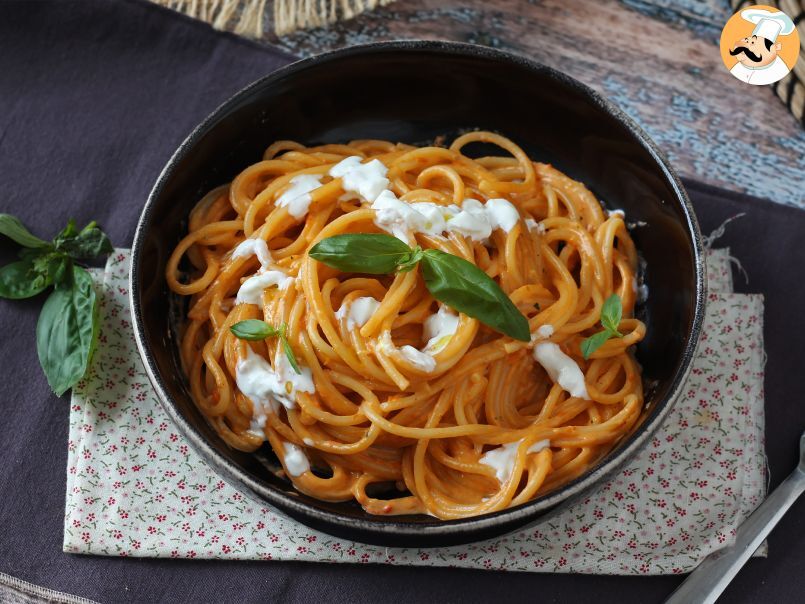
[(401, 403)]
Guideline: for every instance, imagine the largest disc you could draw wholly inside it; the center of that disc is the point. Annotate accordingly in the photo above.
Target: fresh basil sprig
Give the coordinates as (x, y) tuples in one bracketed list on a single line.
[(611, 313), (67, 330), (450, 279), (371, 253), (89, 242), (255, 330), (11, 227), (68, 324)]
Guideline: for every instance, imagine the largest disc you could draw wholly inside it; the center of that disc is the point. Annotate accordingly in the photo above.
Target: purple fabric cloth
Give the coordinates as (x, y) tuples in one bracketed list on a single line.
[(94, 97)]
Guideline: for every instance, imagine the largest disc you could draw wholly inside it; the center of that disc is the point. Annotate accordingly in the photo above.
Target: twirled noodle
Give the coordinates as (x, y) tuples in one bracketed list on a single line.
[(485, 427)]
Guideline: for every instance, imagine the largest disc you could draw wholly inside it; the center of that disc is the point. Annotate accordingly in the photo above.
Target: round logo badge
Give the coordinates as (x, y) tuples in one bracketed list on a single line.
[(759, 45)]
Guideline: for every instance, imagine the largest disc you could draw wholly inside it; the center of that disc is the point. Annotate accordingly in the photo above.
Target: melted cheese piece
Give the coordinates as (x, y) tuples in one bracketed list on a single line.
[(561, 368), (543, 333), (251, 290), (502, 214), (439, 329), (396, 217), (502, 458), (421, 360), (296, 462), (253, 247), (473, 219), (297, 196), (367, 180), (434, 217), (358, 312), (267, 387)]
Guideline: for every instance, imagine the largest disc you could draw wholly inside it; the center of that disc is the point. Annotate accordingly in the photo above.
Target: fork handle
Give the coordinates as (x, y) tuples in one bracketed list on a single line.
[(712, 576)]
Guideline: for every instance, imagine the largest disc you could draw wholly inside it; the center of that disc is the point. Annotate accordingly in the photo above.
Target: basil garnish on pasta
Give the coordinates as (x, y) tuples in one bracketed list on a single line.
[(255, 330), (371, 253), (611, 313), (68, 324), (450, 279), (465, 287)]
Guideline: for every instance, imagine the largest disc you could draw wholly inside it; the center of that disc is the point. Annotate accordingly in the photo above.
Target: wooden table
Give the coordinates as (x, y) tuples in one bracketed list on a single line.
[(657, 59)]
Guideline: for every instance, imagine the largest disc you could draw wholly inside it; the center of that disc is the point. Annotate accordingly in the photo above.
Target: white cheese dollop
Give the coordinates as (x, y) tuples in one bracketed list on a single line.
[(253, 247), (401, 218), (367, 180), (251, 290), (543, 332), (396, 217), (358, 312), (439, 328), (561, 368), (266, 387), (502, 214), (435, 218), (502, 458), (249, 377), (420, 360), (297, 197), (258, 422), (472, 221), (296, 462)]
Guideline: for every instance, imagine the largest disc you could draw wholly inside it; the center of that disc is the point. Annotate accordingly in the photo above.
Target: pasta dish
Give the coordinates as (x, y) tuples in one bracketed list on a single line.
[(412, 328)]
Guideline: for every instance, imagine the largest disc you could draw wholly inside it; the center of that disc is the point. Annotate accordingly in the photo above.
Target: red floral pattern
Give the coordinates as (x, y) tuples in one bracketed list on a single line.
[(134, 488)]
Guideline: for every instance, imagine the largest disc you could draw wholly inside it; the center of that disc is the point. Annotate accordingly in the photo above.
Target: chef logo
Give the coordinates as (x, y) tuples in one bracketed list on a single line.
[(760, 45)]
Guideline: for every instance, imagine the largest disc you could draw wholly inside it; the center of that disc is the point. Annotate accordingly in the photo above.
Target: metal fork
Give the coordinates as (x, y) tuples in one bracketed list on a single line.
[(712, 576)]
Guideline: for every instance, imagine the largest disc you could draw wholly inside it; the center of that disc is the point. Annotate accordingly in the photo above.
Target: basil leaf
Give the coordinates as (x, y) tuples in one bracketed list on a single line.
[(20, 280), (594, 342), (253, 329), (466, 288), (409, 262), (286, 347), (67, 330), (11, 227), (58, 268), (67, 232), (611, 313), (56, 265), (371, 253), (89, 243)]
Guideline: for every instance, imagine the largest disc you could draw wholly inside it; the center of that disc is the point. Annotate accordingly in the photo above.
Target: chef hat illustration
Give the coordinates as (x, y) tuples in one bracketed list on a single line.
[(768, 25)]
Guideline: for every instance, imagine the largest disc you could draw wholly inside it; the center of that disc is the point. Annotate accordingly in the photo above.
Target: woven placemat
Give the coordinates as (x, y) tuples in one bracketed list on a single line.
[(247, 17)]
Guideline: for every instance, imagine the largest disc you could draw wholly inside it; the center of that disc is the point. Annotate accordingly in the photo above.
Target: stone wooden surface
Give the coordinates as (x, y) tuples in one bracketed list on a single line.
[(657, 59)]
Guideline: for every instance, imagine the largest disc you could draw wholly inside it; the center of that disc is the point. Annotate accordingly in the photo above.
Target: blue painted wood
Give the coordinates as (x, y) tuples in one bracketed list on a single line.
[(657, 59), (704, 18)]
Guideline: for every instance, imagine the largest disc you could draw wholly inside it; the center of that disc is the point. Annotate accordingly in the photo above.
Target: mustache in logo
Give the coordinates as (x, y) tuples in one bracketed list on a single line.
[(750, 55)]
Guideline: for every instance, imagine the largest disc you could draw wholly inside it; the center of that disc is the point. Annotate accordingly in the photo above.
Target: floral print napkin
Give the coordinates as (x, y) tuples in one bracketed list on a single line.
[(135, 487)]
